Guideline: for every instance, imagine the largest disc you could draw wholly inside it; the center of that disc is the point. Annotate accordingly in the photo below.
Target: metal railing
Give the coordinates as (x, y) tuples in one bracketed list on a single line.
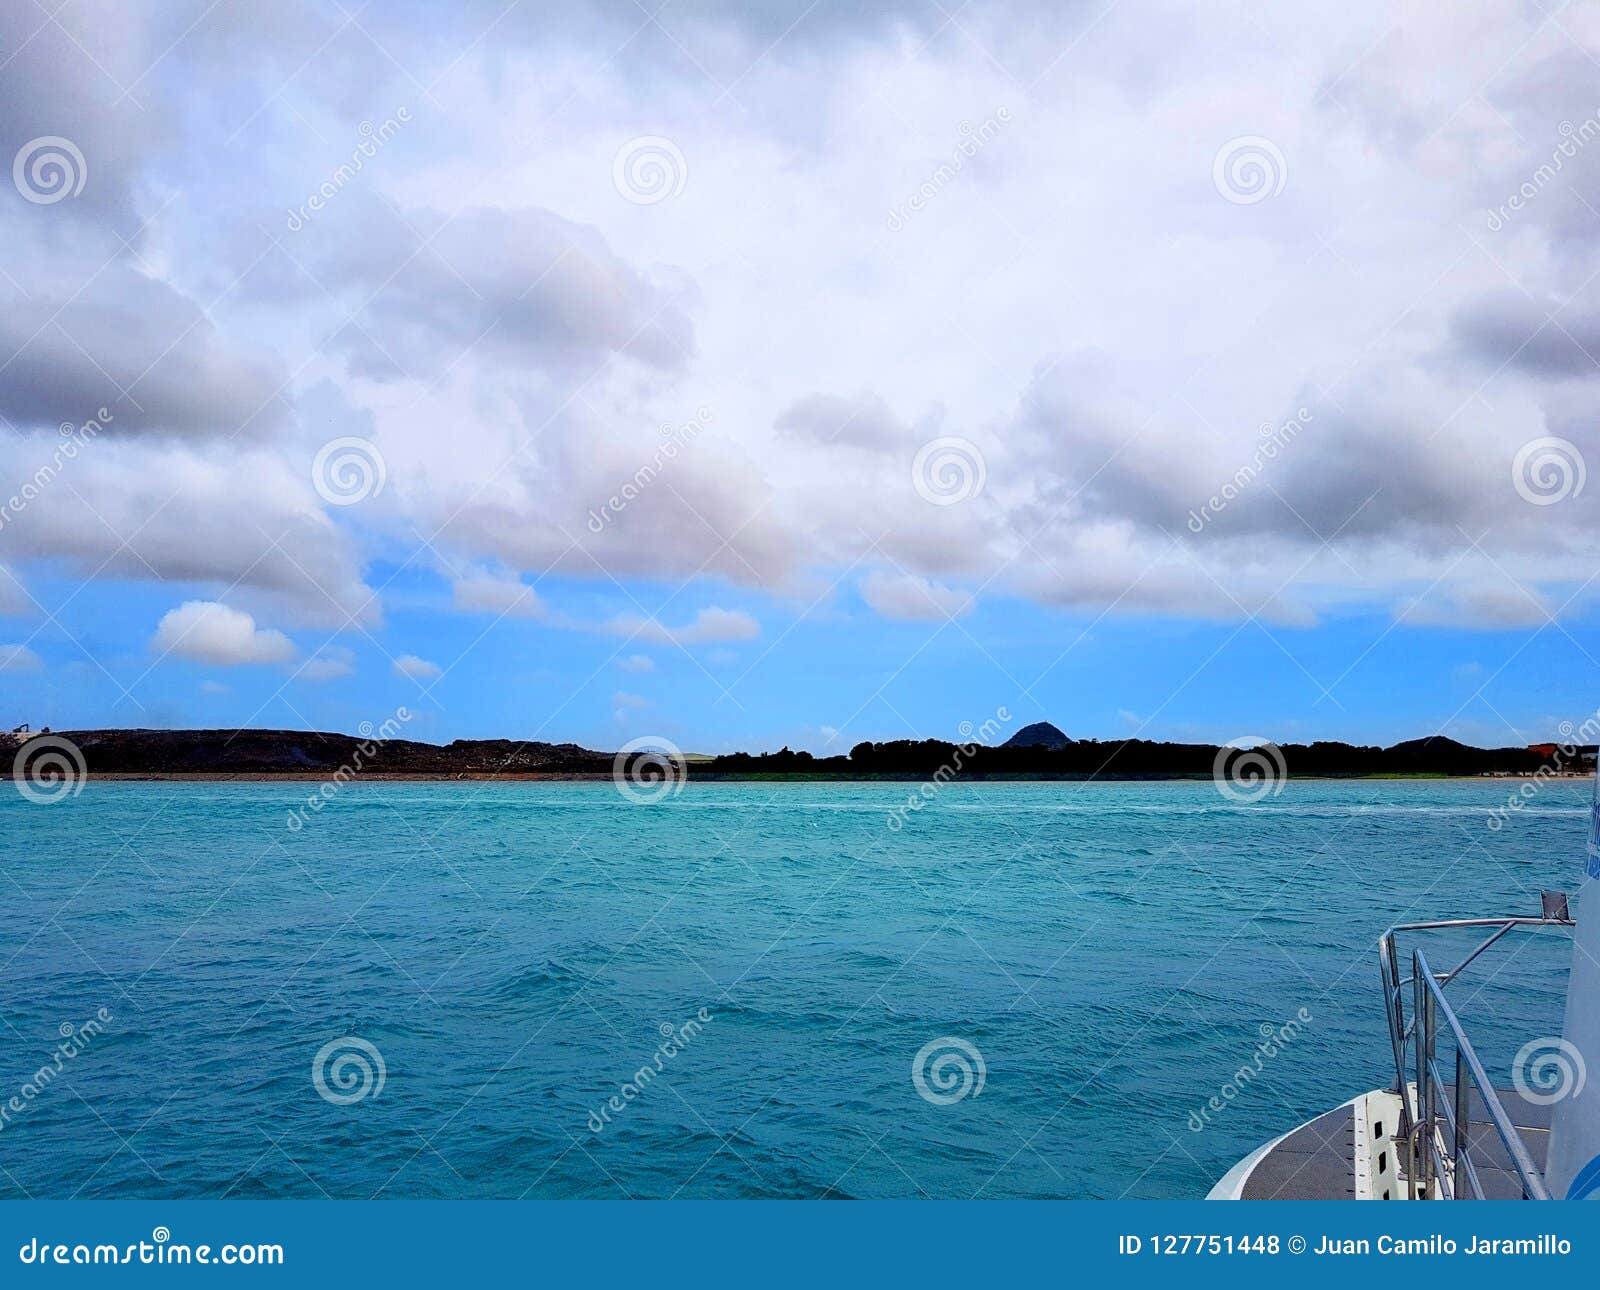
[(1436, 1129)]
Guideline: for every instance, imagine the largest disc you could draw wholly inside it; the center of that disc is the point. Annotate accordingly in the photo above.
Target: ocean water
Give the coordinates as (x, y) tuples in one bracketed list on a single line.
[(507, 957)]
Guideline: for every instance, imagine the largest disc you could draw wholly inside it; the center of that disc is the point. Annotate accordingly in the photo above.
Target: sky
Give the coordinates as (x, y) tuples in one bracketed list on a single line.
[(750, 375)]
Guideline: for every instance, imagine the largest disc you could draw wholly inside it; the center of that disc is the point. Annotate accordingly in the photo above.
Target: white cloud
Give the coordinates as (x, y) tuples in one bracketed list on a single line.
[(909, 596), (13, 597), (148, 508), (1106, 410), (209, 632), (19, 658), (624, 705), (1484, 606), (708, 625), (417, 669), (329, 663), (125, 331), (636, 663), (489, 594)]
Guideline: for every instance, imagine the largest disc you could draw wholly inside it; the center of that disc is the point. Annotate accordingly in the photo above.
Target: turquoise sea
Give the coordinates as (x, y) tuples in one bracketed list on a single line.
[(438, 989)]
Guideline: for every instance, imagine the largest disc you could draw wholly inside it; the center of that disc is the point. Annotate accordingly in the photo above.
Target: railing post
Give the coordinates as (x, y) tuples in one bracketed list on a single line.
[(1428, 1156), (1422, 1034), (1389, 970)]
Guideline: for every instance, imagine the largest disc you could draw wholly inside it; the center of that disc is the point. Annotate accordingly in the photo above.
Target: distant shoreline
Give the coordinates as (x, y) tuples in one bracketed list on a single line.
[(1036, 754), (535, 777)]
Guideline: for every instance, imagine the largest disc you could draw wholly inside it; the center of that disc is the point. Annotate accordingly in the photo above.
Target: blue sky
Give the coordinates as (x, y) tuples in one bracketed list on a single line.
[(824, 682), (750, 378)]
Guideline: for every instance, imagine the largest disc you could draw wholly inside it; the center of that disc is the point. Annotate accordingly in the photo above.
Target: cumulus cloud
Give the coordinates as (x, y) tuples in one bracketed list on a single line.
[(13, 596), (523, 287), (1544, 338), (417, 669), (625, 705), (865, 421), (489, 594), (636, 663), (707, 626), (134, 346), (514, 333), (209, 632), (913, 597), (329, 663), (1489, 605), (19, 658), (180, 513)]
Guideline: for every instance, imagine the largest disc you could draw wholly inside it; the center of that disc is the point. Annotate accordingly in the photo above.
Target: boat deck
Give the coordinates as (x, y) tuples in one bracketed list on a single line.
[(1317, 1160)]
